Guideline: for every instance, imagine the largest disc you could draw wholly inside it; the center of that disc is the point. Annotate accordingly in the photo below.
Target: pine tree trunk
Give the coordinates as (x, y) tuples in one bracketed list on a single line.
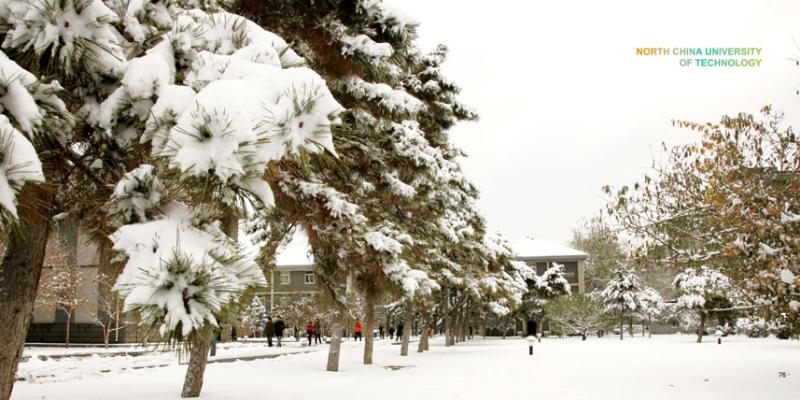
[(369, 325), (423, 337), (446, 316), (701, 327), (335, 346), (198, 356), (432, 325), (193, 382), (630, 326), (649, 327), (621, 324), (467, 322), (19, 278), (408, 319), (458, 327), (463, 330)]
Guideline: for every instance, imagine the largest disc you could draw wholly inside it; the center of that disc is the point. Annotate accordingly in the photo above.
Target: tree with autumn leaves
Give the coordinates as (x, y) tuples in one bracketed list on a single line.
[(731, 202)]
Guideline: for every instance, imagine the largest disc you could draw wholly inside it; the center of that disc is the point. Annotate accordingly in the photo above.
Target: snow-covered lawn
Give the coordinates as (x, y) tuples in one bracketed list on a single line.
[(664, 367)]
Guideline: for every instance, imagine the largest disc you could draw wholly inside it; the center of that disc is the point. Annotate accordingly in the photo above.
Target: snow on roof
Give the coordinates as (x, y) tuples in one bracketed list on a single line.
[(296, 253), (529, 248)]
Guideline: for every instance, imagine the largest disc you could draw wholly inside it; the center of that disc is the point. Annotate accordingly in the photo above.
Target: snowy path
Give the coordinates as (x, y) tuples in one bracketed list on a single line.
[(55, 364), (665, 367)]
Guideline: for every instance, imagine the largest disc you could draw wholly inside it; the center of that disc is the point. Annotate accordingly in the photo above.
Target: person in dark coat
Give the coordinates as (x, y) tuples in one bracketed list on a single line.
[(280, 326), (269, 330), (391, 332), (233, 333), (317, 332), (399, 331)]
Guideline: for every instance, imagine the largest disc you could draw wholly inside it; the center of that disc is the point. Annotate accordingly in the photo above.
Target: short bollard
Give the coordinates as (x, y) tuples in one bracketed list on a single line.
[(718, 334), (539, 337), (530, 340)]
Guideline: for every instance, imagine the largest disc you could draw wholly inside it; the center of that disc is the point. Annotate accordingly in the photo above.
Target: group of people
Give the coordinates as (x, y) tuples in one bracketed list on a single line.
[(394, 333), (314, 331), (274, 328)]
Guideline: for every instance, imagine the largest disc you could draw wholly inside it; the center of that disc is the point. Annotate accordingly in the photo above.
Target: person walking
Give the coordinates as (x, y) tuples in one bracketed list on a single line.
[(317, 333), (391, 333), (269, 330), (380, 331), (280, 326), (357, 336), (399, 331), (296, 334), (309, 332), (233, 333)]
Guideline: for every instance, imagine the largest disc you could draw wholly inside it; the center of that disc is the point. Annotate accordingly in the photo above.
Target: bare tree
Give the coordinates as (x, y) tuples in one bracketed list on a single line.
[(61, 288), (109, 315)]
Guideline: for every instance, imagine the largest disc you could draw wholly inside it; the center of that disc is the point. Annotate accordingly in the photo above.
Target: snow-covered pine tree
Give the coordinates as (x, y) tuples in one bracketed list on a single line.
[(505, 285), (393, 171), (621, 296), (162, 86), (703, 292), (254, 316), (652, 305), (542, 288), (43, 62)]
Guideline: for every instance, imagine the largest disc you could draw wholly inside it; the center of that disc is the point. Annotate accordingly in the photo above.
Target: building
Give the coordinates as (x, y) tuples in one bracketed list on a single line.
[(293, 274), (49, 323), (542, 255)]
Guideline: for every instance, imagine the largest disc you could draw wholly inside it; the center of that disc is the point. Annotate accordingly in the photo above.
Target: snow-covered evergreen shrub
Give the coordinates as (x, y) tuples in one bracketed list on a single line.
[(28, 107), (753, 327)]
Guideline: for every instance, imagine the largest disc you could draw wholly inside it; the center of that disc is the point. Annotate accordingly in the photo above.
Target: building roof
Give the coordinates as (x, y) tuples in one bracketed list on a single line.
[(297, 253), (530, 249)]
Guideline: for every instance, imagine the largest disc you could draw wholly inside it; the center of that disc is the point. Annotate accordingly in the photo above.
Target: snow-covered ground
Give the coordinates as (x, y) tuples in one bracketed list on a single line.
[(664, 367), (55, 364)]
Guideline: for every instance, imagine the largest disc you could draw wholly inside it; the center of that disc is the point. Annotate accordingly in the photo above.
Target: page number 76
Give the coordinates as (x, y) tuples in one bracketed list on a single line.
[(781, 374)]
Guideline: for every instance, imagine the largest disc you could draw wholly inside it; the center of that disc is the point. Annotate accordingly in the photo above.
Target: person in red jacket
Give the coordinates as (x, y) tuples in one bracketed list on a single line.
[(358, 331), (309, 332)]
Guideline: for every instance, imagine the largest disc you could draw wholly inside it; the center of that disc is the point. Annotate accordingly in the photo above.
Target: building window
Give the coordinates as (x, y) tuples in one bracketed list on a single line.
[(309, 278), (286, 278)]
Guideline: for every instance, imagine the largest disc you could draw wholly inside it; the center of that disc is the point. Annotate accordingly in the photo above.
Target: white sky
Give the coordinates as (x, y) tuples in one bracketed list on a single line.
[(567, 107)]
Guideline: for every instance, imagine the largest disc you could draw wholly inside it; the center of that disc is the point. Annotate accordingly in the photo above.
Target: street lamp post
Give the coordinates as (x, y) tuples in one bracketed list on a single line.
[(530, 340)]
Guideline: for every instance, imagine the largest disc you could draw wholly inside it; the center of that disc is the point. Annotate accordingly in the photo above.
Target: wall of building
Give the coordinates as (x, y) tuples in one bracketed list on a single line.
[(573, 272), (48, 324)]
